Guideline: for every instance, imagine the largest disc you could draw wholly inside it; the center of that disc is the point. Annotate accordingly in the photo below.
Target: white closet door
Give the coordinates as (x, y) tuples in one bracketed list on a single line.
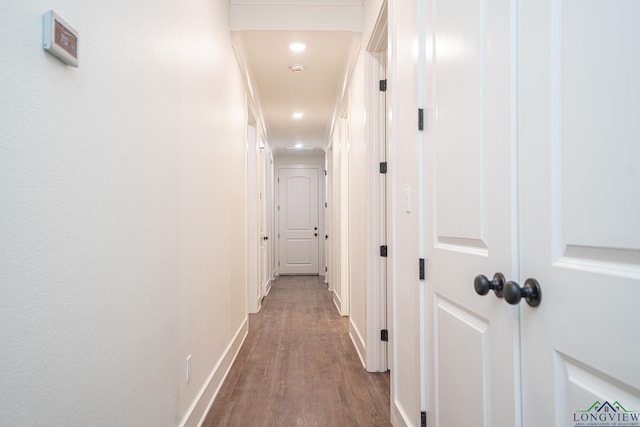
[(472, 199), (579, 73)]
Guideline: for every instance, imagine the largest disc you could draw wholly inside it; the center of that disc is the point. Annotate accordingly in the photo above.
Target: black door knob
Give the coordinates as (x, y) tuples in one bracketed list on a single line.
[(484, 285), (265, 238), (315, 234), (531, 292)]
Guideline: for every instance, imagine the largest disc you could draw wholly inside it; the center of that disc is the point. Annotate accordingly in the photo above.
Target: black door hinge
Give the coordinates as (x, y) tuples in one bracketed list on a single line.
[(383, 250), (383, 167), (423, 419), (420, 119), (384, 335), (383, 85), (421, 265)]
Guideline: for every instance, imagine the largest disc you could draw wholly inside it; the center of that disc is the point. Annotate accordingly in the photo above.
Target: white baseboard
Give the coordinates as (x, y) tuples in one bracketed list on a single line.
[(398, 416), (202, 404), (266, 288), (357, 341), (337, 302)]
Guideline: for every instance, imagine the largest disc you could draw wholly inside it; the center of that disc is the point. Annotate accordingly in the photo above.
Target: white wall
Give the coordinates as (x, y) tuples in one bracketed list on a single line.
[(404, 142), (358, 208), (403, 232), (120, 251), (336, 226), (350, 175), (312, 160)]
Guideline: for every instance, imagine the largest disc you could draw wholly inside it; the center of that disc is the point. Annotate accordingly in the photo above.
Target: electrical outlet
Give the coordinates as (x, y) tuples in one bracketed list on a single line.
[(188, 369)]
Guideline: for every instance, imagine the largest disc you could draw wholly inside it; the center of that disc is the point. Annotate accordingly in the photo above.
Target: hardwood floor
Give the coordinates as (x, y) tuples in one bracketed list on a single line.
[(298, 367)]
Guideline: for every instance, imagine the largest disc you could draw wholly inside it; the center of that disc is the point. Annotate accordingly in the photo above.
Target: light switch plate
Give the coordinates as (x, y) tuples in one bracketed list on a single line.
[(407, 199)]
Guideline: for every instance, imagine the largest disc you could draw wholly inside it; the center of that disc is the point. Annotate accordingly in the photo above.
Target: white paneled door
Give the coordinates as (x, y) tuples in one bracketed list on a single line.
[(298, 220), (580, 210), (471, 164), (533, 163), (264, 208)]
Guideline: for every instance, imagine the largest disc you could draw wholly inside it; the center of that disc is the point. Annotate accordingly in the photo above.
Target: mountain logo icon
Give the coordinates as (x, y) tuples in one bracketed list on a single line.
[(606, 407)]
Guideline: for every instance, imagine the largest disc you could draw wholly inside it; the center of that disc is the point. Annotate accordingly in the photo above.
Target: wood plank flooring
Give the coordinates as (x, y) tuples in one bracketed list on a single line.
[(298, 367)]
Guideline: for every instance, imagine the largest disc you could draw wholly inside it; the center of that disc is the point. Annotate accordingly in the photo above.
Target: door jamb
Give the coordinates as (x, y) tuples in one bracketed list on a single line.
[(377, 307), (318, 168)]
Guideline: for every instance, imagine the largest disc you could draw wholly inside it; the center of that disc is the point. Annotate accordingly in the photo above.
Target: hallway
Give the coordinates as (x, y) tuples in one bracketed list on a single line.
[(475, 171), (299, 367)]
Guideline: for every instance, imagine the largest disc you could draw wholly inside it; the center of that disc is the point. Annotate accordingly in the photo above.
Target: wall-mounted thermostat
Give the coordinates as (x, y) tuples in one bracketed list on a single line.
[(59, 39)]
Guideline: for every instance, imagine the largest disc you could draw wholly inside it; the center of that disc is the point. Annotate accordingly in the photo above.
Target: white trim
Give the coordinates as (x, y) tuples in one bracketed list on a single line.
[(266, 288), (422, 218), (195, 416), (392, 214), (345, 212), (299, 162), (376, 295), (330, 220), (253, 243), (337, 302), (358, 342), (320, 201), (398, 416)]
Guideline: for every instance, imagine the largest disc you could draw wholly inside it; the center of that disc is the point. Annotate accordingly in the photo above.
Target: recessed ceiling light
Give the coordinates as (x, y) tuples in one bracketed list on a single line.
[(297, 47), (297, 115)]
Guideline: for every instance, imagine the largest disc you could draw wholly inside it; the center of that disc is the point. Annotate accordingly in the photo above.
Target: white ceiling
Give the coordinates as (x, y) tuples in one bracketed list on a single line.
[(330, 29)]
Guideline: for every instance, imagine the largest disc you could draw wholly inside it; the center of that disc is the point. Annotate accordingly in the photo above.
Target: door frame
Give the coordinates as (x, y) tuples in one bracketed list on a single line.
[(298, 162), (265, 208), (339, 269), (253, 229), (329, 221), (377, 309)]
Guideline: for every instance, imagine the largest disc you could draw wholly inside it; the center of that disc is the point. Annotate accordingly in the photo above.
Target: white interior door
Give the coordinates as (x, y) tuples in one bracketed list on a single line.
[(471, 202), (263, 206), (298, 220), (580, 210)]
